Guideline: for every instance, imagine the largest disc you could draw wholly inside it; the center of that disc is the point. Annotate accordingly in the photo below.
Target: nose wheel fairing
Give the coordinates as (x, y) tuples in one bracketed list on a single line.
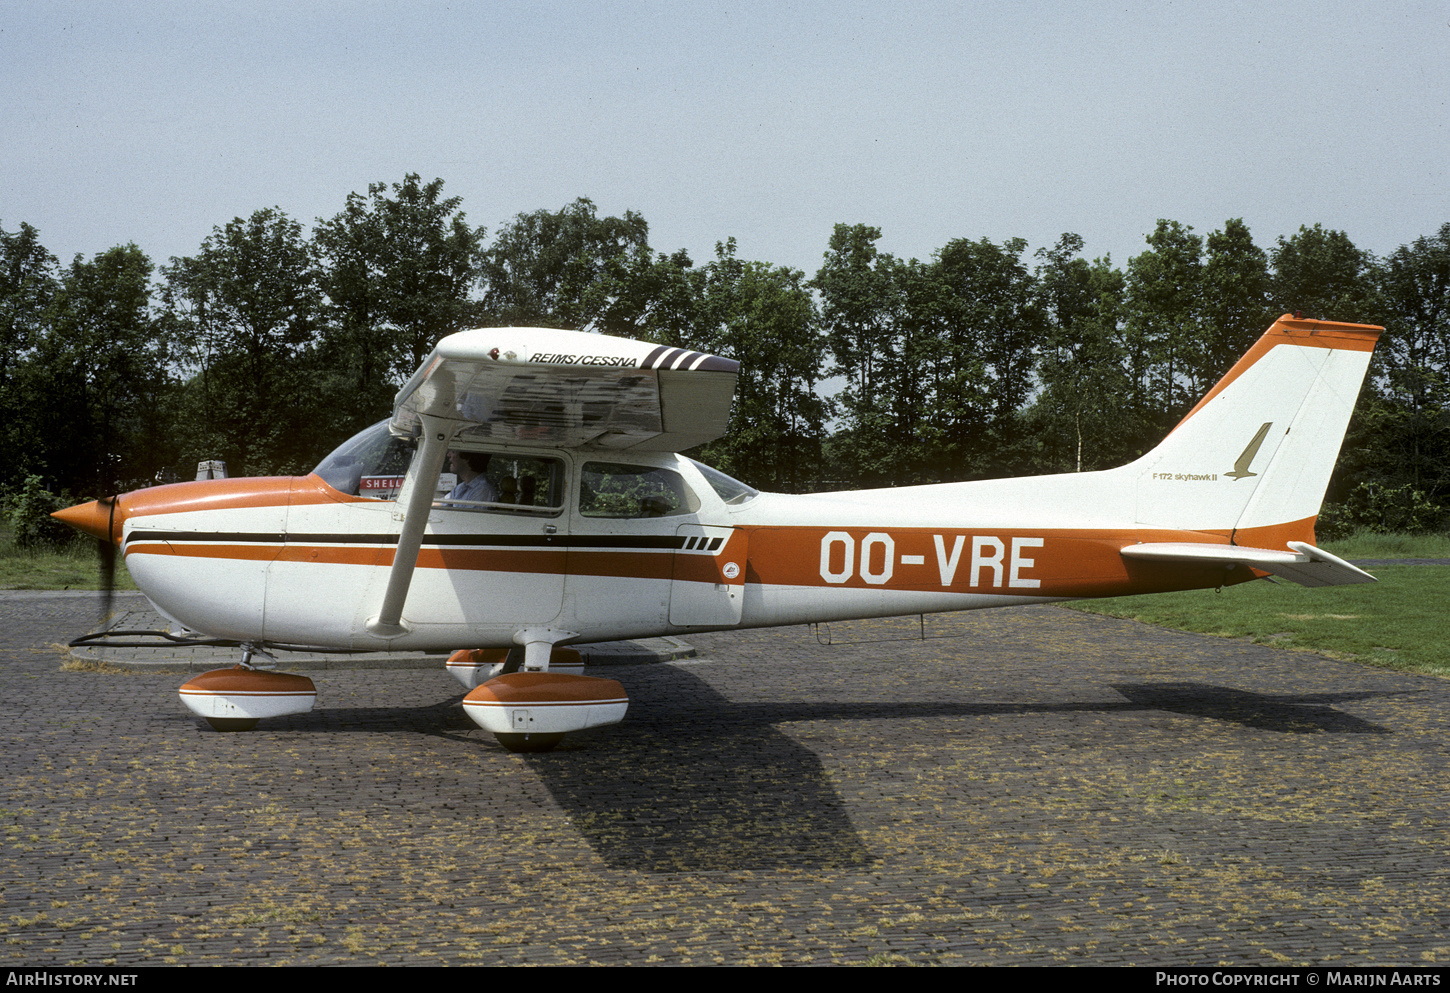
[(236, 699)]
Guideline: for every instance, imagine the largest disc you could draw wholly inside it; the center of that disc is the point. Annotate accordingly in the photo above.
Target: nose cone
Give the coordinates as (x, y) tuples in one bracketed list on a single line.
[(100, 519)]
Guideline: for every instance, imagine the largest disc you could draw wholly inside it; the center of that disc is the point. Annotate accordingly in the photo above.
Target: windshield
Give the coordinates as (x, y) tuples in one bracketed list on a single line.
[(732, 491), (372, 463)]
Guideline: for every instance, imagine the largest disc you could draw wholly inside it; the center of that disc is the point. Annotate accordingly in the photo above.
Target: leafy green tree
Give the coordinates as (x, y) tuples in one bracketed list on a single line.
[(1166, 343), (993, 324), (244, 311), (861, 302), (934, 380), (549, 268), (1083, 416), (397, 271), (1404, 431), (396, 268), (1235, 303), (29, 280), (26, 512), (28, 283), (348, 252), (652, 298), (103, 370), (764, 317), (1321, 274)]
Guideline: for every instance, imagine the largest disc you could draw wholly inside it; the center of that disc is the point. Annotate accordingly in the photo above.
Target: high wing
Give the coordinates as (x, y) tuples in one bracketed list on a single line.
[(1307, 565), (569, 389), (545, 386)]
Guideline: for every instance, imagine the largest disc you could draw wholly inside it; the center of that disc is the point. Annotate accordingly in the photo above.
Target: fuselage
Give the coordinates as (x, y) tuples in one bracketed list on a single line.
[(590, 528), (296, 561)]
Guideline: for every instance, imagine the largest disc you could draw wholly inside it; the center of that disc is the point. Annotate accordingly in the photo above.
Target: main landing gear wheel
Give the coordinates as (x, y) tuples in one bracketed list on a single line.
[(473, 666), (532, 711), (529, 743), (232, 723)]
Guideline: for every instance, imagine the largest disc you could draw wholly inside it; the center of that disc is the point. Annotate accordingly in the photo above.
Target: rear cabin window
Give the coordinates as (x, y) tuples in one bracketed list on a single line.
[(731, 490), (611, 489)]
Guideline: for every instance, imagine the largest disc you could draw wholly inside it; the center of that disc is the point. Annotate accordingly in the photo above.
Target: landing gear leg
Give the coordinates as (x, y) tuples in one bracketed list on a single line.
[(537, 656), (251, 651)]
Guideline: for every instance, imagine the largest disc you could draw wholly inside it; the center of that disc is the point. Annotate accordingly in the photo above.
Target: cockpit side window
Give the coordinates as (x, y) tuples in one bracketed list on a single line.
[(501, 482), (609, 489)]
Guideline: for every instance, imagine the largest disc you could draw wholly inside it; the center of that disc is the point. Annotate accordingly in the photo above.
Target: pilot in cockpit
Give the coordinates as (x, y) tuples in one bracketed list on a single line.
[(470, 468)]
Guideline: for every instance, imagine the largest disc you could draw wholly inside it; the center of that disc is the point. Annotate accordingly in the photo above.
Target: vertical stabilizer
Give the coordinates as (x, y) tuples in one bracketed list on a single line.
[(1256, 453)]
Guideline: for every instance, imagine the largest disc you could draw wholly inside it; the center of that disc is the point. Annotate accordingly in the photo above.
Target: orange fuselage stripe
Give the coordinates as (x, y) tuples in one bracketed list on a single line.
[(1067, 562)]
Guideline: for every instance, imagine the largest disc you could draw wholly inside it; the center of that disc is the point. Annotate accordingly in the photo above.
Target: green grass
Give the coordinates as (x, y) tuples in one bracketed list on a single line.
[(1397, 623), (1391, 546), (75, 568)]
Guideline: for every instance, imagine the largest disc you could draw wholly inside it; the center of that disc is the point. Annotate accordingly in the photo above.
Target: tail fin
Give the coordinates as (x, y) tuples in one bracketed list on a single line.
[(1252, 460)]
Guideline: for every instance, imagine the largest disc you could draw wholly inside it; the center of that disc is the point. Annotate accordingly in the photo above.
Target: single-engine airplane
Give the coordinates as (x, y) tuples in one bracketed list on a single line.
[(591, 527)]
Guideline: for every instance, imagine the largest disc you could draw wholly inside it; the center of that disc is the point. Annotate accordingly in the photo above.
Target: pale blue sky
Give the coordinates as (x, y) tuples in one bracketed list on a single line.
[(771, 122)]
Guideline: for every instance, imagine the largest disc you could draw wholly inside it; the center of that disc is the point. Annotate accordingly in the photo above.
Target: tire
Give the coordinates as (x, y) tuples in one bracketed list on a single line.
[(526, 743), (232, 723)]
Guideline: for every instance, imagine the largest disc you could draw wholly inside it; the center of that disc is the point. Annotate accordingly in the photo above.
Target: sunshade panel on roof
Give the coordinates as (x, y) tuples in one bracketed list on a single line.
[(569, 389)]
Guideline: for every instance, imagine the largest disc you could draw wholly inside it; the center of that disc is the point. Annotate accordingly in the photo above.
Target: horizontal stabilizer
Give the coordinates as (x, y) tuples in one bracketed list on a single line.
[(1306, 565)]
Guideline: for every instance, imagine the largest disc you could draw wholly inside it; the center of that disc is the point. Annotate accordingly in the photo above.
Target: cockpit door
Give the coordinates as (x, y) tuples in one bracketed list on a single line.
[(498, 551)]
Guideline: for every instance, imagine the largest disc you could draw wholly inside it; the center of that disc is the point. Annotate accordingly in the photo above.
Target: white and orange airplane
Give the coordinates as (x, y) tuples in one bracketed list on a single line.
[(587, 526)]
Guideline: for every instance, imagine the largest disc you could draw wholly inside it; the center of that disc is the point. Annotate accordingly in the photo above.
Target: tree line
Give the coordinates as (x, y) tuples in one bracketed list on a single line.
[(271, 344)]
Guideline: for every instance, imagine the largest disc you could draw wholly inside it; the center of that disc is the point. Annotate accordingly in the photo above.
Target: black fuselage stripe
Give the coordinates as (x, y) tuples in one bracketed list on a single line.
[(446, 540)]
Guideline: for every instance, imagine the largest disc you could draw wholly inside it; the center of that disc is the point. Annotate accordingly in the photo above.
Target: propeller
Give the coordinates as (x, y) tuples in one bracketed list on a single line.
[(106, 554), (98, 518)]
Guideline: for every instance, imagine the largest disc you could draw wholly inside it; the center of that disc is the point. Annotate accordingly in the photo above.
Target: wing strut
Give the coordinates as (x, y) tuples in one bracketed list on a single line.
[(389, 621)]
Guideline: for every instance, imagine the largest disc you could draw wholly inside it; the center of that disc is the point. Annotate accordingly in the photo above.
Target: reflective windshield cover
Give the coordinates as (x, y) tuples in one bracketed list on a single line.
[(372, 463)]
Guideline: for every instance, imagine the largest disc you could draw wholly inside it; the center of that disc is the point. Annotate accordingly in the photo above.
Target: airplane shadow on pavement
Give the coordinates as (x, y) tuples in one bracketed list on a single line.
[(693, 781)]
